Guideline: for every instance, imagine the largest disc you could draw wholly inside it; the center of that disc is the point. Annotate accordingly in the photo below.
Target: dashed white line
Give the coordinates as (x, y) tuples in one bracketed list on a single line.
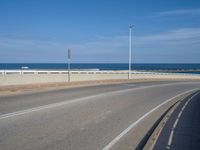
[(180, 113), (176, 122), (170, 139), (161, 127)]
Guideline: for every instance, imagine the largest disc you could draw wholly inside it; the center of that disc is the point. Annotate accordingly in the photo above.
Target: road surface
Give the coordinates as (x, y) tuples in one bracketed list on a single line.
[(87, 118)]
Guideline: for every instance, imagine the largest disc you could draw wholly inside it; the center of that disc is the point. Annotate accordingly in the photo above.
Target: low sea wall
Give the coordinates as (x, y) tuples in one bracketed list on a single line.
[(19, 77)]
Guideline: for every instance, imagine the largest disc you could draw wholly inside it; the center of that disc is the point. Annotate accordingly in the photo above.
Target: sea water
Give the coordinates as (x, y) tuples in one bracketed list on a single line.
[(103, 66)]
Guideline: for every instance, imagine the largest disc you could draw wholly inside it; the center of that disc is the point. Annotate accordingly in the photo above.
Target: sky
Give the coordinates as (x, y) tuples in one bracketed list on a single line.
[(96, 31)]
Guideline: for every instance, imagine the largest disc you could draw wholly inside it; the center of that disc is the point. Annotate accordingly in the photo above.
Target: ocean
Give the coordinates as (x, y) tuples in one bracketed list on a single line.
[(103, 66), (186, 68)]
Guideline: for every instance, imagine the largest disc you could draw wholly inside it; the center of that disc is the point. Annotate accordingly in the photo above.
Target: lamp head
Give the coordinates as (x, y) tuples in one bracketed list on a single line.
[(131, 26)]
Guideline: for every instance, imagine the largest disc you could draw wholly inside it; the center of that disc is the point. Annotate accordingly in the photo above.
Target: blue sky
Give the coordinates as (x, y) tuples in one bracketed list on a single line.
[(166, 31)]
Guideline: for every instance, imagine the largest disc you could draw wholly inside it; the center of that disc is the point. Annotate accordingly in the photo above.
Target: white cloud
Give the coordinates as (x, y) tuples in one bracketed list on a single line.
[(175, 42), (178, 12), (173, 35), (111, 49), (176, 36)]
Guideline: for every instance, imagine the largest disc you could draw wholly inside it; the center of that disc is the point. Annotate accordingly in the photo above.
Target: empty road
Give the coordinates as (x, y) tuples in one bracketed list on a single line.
[(87, 118)]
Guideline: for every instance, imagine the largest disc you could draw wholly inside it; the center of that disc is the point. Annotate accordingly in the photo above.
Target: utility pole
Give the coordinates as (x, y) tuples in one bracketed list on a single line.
[(69, 57), (130, 40)]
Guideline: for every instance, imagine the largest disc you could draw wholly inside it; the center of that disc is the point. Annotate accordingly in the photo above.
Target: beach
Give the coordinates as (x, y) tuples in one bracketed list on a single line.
[(13, 81), (19, 77)]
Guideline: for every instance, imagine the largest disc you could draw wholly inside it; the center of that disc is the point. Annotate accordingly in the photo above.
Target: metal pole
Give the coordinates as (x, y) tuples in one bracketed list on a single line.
[(130, 40), (69, 56)]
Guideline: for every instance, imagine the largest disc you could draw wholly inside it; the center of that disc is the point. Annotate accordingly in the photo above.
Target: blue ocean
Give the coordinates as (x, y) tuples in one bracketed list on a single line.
[(186, 68)]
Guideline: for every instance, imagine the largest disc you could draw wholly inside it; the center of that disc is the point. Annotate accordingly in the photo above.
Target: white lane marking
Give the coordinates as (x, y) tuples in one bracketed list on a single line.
[(162, 126), (183, 108), (176, 122), (180, 113), (68, 102), (116, 139), (4, 116), (170, 139), (131, 85)]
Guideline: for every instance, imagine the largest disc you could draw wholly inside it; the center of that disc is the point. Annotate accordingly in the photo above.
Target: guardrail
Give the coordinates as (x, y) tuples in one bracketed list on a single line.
[(23, 72)]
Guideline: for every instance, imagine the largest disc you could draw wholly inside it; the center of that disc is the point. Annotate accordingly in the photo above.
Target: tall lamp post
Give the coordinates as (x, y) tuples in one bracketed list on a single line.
[(130, 40)]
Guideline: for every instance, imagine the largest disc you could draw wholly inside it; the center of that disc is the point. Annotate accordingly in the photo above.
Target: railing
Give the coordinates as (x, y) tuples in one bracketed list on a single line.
[(24, 72)]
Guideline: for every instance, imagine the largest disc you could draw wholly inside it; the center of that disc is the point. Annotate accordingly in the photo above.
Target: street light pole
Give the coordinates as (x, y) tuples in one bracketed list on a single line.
[(130, 40)]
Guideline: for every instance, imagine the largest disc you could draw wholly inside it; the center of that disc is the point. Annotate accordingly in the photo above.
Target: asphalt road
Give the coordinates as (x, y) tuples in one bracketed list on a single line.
[(86, 118), (182, 130)]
